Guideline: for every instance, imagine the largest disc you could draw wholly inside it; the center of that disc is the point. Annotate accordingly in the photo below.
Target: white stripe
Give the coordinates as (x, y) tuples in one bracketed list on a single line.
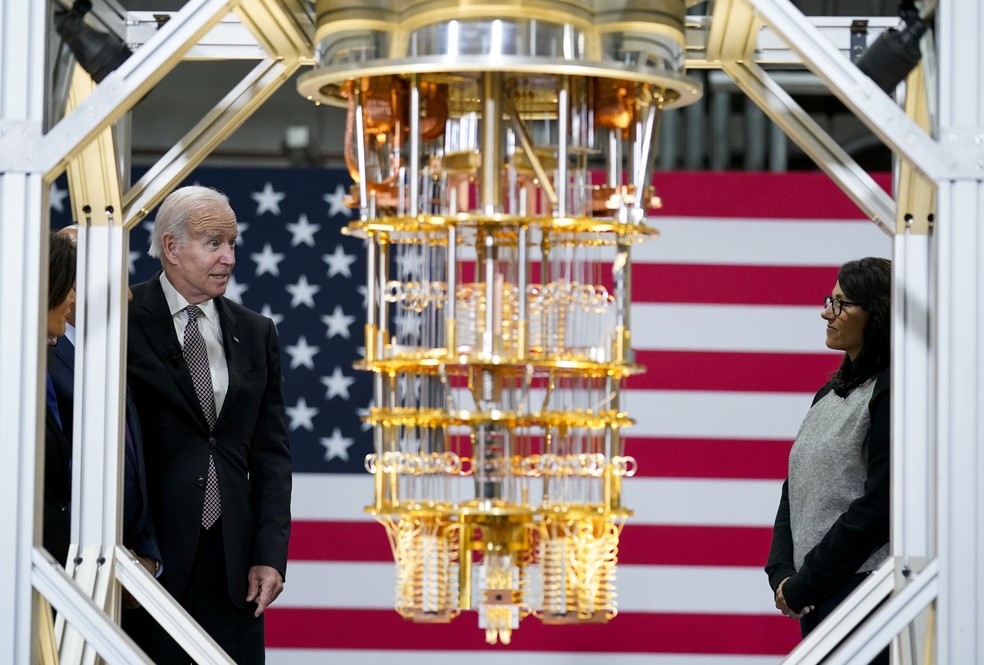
[(762, 242), (675, 501), (699, 327), (685, 501), (411, 657), (664, 589), (712, 415)]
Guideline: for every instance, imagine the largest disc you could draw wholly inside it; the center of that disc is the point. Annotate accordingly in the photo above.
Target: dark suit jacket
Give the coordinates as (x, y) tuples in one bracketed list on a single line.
[(56, 529), (249, 442), (138, 525)]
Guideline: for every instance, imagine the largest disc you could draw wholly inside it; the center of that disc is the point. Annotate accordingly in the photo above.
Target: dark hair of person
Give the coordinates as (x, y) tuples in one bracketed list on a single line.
[(61, 269), (868, 282)]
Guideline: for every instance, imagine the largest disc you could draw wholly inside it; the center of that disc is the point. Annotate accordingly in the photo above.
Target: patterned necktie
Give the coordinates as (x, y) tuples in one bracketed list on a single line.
[(197, 361)]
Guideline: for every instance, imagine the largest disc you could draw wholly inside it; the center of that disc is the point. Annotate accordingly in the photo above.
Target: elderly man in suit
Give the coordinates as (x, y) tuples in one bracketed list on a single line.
[(205, 375)]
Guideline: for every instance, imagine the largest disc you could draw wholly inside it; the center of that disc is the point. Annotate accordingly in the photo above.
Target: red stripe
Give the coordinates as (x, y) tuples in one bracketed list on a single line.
[(732, 284), (646, 545), (709, 458), (733, 371), (627, 633), (793, 195), (338, 541), (641, 544)]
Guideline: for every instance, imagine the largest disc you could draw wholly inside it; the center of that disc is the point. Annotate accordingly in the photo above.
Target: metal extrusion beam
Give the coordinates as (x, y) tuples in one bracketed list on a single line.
[(732, 45), (119, 91), (913, 489), (815, 142), (285, 35), (817, 645), (166, 610), (23, 285), (958, 337), (958, 345), (860, 94), (227, 116), (108, 639), (23, 252), (94, 186), (888, 620), (276, 29)]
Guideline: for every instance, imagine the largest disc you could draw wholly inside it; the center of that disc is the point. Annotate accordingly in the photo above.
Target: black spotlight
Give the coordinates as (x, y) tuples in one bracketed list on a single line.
[(99, 53), (895, 53)]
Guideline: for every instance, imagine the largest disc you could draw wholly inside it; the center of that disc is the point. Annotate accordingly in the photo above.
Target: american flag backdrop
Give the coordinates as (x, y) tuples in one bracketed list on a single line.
[(726, 318)]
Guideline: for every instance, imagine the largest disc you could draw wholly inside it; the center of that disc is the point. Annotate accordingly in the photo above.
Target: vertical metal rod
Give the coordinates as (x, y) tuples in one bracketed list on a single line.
[(451, 303), (645, 143), (521, 283), (414, 170), (563, 122), (614, 158), (488, 261), (360, 151), (491, 191), (382, 271)]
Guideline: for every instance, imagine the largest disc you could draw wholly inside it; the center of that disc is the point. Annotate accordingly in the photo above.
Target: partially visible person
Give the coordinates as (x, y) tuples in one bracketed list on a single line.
[(139, 535), (832, 526), (56, 505), (205, 375)]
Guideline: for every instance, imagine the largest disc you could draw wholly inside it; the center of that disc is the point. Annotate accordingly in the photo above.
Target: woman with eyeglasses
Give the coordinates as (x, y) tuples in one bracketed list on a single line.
[(832, 525)]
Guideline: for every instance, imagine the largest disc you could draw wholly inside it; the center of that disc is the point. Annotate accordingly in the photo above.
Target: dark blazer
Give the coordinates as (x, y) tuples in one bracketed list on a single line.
[(56, 529), (249, 442), (138, 524)]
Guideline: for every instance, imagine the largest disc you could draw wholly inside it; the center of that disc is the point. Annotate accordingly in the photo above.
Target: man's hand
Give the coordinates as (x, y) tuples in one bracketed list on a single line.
[(785, 608), (265, 584)]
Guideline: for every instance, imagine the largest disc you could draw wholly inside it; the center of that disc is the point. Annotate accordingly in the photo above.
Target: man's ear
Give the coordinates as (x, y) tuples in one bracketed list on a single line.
[(169, 245)]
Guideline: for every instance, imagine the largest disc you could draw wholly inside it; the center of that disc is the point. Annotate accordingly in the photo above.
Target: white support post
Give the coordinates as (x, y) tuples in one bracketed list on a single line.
[(958, 336), (101, 285), (913, 458), (23, 289), (959, 430)]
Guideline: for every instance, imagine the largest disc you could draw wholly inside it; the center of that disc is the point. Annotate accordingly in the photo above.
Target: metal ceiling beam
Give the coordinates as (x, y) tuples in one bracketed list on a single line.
[(862, 96), (732, 46), (119, 91), (283, 33), (224, 118)]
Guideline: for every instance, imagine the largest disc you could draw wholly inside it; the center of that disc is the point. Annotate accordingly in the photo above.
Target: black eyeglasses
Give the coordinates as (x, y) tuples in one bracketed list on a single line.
[(836, 305)]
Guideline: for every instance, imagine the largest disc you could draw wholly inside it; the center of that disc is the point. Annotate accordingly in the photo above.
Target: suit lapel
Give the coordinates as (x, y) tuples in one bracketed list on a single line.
[(64, 351), (233, 348), (158, 325)]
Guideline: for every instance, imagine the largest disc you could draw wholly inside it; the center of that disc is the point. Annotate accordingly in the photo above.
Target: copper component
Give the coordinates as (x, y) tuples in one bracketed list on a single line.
[(614, 103), (384, 104), (435, 116)]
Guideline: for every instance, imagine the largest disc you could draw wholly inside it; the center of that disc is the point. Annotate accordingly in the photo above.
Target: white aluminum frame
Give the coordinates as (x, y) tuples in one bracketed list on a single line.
[(938, 287)]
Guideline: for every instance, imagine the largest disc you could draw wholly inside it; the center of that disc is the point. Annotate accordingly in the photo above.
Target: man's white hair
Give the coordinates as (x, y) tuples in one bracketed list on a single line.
[(177, 209)]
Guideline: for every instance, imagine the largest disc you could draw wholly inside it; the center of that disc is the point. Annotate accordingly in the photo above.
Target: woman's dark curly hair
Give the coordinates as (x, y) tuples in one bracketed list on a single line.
[(868, 282), (61, 269)]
